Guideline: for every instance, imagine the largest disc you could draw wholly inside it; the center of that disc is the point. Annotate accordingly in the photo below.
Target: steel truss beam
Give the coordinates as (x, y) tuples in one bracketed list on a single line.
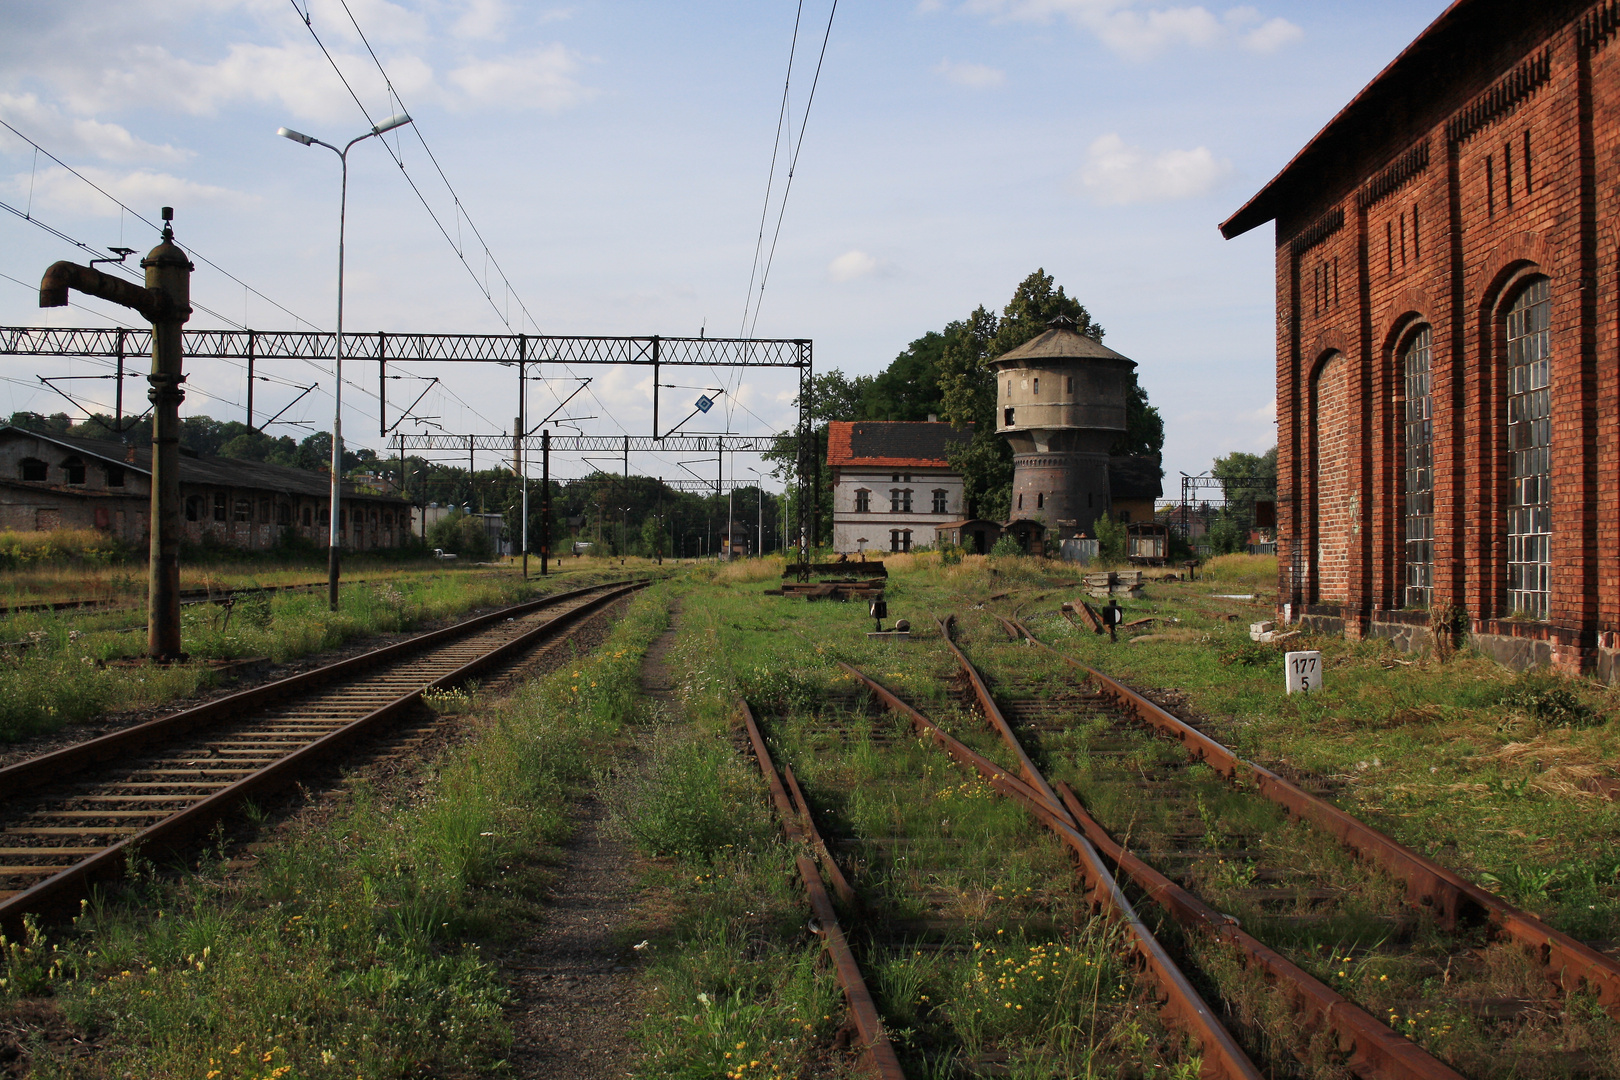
[(436, 348), (593, 444)]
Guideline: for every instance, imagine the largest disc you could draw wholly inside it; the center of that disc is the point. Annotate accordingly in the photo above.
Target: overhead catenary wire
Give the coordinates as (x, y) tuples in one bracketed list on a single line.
[(191, 251), (793, 165), (461, 214)]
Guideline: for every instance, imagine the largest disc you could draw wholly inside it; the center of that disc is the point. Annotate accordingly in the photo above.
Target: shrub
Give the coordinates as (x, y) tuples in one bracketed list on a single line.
[(74, 546), (1548, 698), (1110, 538), (1006, 546)]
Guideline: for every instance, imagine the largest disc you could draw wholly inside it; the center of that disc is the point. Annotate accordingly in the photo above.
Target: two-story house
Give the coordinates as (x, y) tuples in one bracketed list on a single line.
[(892, 484)]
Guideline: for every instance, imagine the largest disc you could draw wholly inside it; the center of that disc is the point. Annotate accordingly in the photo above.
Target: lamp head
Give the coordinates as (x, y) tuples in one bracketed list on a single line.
[(295, 136), (397, 120)]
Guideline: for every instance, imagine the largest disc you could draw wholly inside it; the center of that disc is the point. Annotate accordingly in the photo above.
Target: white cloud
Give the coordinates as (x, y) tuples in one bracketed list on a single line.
[(542, 79), (56, 189), (481, 19), (1116, 174), (1139, 33), (928, 7), (974, 76), (76, 137), (852, 265)]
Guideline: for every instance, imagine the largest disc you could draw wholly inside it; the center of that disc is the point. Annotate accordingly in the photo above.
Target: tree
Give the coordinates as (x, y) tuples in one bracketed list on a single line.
[(1245, 478)]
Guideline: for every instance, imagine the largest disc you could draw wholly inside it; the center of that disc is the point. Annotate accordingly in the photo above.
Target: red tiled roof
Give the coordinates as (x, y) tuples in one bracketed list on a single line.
[(892, 444)]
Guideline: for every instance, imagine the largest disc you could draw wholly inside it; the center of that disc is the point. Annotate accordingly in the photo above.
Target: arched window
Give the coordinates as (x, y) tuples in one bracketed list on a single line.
[(74, 467), (1419, 472), (33, 470), (194, 507), (1529, 445)]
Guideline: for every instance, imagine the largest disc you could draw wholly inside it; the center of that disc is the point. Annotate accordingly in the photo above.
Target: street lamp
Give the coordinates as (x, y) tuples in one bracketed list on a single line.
[(624, 518), (333, 533)]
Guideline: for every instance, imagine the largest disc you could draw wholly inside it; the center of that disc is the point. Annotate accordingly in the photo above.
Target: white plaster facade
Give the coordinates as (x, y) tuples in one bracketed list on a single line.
[(901, 509)]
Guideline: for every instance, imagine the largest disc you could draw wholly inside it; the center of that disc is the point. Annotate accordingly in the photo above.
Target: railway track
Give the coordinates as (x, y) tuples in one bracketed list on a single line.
[(1391, 965), (1297, 940), (74, 817), (965, 947)]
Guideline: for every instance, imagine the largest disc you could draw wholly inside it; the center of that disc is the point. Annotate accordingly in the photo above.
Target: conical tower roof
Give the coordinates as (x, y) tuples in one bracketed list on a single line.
[(1063, 341)]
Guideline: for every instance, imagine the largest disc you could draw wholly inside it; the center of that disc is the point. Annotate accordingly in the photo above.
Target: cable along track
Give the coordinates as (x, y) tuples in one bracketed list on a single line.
[(1423, 953), (71, 818)]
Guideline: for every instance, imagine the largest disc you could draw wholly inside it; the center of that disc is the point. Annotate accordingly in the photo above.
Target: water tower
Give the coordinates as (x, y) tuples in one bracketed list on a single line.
[(1061, 404)]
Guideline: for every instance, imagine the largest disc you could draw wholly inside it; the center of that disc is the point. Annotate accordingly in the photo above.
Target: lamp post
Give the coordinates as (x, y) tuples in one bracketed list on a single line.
[(333, 533), (760, 480), (624, 518)]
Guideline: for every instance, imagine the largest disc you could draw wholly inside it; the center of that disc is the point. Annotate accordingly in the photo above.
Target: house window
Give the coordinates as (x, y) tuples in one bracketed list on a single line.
[(939, 500), (309, 517), (74, 469), (194, 507), (33, 470), (900, 501), (1529, 438), (895, 479), (1124, 517), (899, 540), (222, 506), (115, 476), (283, 513), (1006, 417), (1419, 474), (244, 509), (863, 501), (264, 511)]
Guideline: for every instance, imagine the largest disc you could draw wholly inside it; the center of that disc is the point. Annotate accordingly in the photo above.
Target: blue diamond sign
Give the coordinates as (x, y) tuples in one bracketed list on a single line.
[(705, 403)]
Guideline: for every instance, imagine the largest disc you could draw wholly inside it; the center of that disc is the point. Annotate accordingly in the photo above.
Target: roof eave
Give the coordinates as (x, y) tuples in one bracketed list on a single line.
[(1256, 211)]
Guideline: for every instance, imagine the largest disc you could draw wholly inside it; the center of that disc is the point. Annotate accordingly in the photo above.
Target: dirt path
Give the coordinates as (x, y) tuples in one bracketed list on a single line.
[(574, 981)]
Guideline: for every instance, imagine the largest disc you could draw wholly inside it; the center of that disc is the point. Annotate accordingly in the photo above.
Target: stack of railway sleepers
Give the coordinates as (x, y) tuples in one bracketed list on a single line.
[(847, 589), (1105, 583)]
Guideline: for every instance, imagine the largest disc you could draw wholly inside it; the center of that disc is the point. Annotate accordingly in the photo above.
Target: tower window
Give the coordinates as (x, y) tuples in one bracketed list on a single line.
[(1037, 387), (1006, 417), (1068, 384), (1040, 500)]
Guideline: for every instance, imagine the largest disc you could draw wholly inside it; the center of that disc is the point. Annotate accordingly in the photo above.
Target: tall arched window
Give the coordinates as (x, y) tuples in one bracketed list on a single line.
[(1529, 443), (1419, 478)]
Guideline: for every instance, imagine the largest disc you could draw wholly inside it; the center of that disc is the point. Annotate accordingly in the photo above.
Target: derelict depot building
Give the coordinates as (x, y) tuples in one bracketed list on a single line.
[(1448, 341)]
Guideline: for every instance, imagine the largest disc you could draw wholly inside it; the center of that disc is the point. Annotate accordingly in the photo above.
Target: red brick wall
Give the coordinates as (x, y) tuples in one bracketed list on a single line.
[(1443, 226)]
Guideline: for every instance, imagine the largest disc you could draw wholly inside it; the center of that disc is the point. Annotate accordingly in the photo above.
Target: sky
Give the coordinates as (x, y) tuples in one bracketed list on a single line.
[(616, 160)]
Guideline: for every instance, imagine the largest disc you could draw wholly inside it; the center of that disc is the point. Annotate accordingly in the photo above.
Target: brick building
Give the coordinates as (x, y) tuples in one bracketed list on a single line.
[(52, 481), (892, 487), (1448, 341)]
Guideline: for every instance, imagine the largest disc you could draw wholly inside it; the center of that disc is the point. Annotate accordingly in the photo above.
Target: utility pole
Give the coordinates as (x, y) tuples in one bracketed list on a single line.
[(545, 500), (165, 302)]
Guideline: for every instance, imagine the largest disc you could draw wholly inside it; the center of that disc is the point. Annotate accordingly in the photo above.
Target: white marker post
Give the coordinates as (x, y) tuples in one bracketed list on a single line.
[(1304, 672)]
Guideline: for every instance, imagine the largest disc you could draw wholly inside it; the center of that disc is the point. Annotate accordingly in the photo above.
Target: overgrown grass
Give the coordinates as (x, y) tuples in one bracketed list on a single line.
[(69, 668), (356, 946)]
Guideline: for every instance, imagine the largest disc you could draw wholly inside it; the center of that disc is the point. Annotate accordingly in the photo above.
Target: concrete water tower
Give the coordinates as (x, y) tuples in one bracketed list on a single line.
[(1061, 404)]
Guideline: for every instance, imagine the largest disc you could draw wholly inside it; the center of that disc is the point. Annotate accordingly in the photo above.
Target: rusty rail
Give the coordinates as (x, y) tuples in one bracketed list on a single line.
[(876, 1048), (1568, 962), (1183, 1007), (61, 892)]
